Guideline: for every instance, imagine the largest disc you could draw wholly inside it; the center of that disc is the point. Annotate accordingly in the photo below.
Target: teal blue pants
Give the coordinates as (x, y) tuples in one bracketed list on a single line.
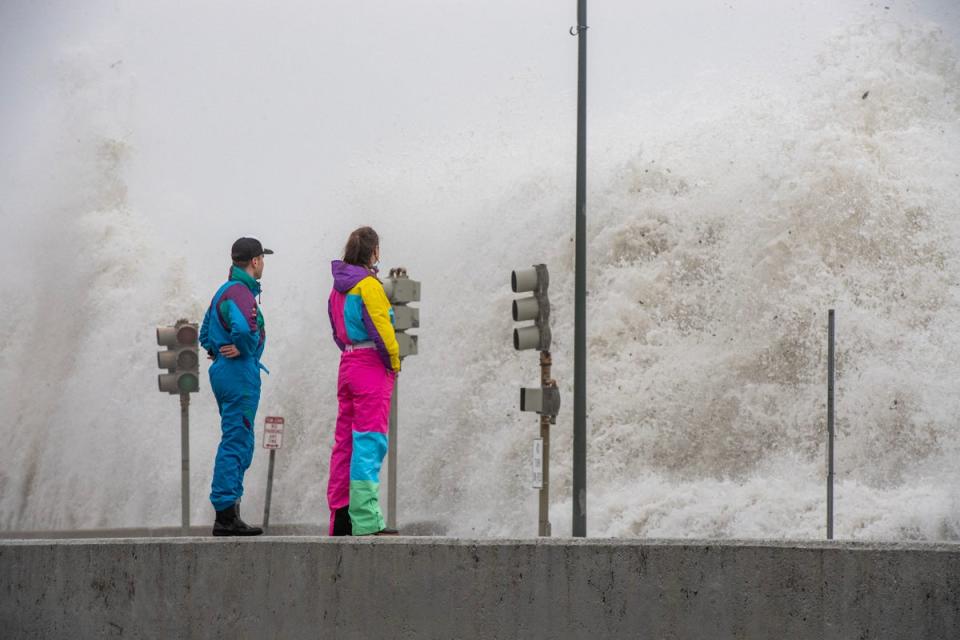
[(236, 386)]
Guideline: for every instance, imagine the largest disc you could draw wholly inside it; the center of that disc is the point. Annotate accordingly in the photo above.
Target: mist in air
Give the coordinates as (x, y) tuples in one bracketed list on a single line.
[(751, 165)]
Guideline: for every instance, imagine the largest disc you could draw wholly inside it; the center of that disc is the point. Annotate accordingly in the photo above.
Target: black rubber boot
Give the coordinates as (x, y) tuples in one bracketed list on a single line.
[(387, 532), (341, 522), (228, 523)]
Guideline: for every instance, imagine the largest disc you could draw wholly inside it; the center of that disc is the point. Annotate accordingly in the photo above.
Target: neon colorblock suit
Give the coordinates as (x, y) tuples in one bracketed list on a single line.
[(234, 318), (362, 322)]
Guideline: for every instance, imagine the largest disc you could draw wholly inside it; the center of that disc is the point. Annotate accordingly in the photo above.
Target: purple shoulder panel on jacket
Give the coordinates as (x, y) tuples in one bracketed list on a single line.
[(346, 276), (241, 296)]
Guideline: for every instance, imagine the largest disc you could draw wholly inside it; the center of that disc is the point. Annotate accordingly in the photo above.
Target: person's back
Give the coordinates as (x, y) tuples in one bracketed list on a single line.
[(362, 322), (234, 336), (360, 312), (238, 321)]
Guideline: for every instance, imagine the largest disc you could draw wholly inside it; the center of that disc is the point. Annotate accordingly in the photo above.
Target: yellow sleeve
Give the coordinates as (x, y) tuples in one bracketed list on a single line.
[(378, 308)]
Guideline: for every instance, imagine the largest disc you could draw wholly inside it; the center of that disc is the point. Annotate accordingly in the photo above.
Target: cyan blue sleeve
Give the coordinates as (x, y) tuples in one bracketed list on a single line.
[(205, 334)]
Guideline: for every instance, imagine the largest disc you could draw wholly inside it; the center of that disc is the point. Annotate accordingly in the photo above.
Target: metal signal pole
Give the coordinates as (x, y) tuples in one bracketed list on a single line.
[(185, 462), (580, 291), (544, 528), (269, 497), (392, 460), (831, 434), (401, 291)]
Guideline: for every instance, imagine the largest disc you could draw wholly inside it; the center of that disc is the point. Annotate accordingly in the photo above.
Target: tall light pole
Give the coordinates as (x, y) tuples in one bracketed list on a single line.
[(580, 291)]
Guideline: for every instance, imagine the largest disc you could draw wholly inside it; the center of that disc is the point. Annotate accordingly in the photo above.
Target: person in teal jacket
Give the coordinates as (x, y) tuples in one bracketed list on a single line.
[(233, 335)]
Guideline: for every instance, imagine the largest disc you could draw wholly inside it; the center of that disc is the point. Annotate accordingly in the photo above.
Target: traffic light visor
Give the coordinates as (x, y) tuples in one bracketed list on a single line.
[(166, 336), (526, 338), (167, 359), (526, 309), (523, 280)]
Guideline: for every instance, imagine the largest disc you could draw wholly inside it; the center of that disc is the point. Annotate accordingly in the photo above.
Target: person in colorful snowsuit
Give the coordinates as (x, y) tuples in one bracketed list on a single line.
[(362, 322), (233, 335)]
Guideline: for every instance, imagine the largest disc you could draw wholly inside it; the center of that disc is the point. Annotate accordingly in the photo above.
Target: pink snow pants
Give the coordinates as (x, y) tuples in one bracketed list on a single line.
[(364, 389)]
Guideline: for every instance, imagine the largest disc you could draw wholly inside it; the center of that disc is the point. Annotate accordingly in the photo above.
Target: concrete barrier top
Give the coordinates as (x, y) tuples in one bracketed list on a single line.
[(422, 541)]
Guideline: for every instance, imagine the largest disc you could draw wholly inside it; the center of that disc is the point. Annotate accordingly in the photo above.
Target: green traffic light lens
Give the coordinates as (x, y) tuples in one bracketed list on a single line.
[(188, 383)]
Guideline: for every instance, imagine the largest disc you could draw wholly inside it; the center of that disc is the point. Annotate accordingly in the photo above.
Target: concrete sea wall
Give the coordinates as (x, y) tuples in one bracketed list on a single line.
[(299, 587)]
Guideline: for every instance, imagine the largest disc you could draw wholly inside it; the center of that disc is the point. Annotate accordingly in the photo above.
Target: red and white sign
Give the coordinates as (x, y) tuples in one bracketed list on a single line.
[(273, 432)]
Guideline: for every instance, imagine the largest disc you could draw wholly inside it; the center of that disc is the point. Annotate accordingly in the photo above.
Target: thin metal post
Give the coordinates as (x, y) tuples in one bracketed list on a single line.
[(392, 460), (544, 528), (831, 342), (266, 504), (185, 462), (580, 292)]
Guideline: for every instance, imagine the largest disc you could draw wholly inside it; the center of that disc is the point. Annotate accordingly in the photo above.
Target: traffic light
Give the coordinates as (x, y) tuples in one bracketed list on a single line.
[(535, 307), (401, 291), (180, 359), (544, 401)]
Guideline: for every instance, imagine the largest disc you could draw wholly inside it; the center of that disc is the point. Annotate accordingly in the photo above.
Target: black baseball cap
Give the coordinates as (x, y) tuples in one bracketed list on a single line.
[(245, 249)]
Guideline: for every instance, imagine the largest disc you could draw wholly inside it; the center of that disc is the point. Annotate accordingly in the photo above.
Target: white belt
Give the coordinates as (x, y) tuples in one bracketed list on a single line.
[(359, 345)]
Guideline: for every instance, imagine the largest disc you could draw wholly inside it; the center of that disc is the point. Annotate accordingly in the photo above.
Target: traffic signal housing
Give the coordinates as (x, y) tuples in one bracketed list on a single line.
[(401, 291), (544, 401), (535, 307), (181, 359)]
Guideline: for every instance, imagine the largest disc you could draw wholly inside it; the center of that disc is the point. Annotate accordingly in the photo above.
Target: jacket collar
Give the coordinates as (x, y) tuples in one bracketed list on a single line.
[(239, 275), (346, 276)]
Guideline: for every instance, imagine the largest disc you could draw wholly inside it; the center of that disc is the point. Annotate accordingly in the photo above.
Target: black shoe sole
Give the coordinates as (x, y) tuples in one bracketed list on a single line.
[(236, 533)]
